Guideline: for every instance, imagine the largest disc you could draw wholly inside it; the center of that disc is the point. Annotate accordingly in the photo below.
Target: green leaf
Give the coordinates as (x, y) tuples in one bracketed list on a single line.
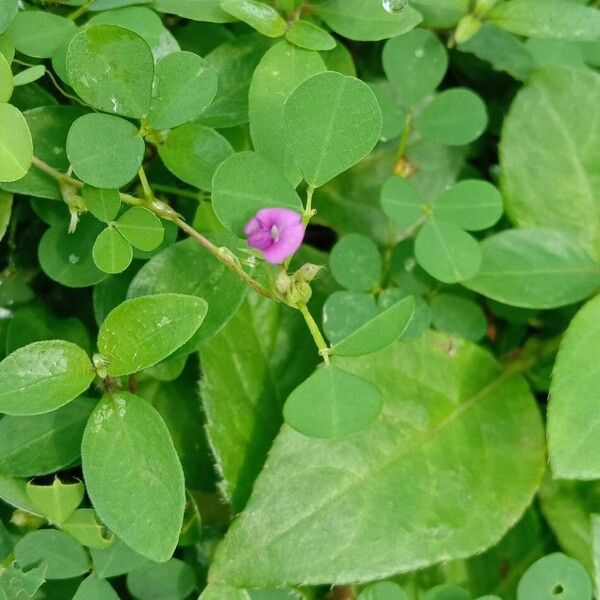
[(223, 592), (29, 75), (183, 87), (415, 64), (235, 62), (458, 316), (344, 312), (8, 10), (248, 370), (43, 444), (572, 426), (143, 21), (554, 572), (63, 556), (366, 20), (16, 583), (380, 331), (174, 579), (245, 183), (67, 257), (57, 501), (553, 19), (42, 377), (49, 126), (471, 204), (448, 411), (186, 268), (280, 71), (84, 526), (455, 117), (93, 588), (39, 33), (111, 252), (384, 590), (446, 252), (355, 263), (332, 403), (262, 17), (394, 116), (535, 178), (103, 203), (402, 202), (141, 228), (6, 203), (16, 146), (535, 268), (112, 69), (133, 475), (105, 151), (193, 153), (503, 50), (141, 332), (332, 122), (12, 491), (117, 559), (6, 80), (198, 10), (306, 34)]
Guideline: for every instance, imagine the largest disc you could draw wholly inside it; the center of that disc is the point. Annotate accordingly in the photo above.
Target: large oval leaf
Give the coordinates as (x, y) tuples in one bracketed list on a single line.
[(544, 187), (573, 425), (141, 332), (535, 268), (42, 377), (453, 428), (332, 122), (133, 475), (16, 146)]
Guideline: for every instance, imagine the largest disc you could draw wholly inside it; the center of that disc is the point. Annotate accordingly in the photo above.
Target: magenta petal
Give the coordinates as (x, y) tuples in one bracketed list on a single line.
[(281, 217), (260, 239)]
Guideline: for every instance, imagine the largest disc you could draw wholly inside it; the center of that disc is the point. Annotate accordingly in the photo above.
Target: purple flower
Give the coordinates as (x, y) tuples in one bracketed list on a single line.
[(276, 232)]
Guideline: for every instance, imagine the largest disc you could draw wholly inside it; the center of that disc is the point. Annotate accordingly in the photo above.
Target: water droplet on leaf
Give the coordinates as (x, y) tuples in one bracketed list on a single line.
[(394, 6), (73, 259)]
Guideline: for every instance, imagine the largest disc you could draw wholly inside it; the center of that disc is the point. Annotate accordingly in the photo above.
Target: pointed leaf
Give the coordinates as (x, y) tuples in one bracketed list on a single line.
[(141, 332), (133, 475), (42, 377)]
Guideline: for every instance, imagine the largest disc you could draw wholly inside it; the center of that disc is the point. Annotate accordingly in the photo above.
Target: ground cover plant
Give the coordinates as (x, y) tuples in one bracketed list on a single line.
[(298, 300)]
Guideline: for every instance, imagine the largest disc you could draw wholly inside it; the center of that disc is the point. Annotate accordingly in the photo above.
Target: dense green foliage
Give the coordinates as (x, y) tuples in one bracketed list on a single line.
[(297, 299)]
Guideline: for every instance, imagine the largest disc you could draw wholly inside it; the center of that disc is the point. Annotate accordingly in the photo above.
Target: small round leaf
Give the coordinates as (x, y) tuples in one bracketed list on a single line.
[(104, 151), (332, 403), (415, 64), (471, 204), (262, 17), (333, 121), (402, 202), (383, 590), (193, 153), (93, 588), (355, 263), (380, 331), (67, 257), (39, 33), (103, 203), (112, 68), (344, 312), (112, 253), (456, 117), (183, 87), (446, 252), (459, 316), (555, 576), (141, 228), (310, 36), (174, 579)]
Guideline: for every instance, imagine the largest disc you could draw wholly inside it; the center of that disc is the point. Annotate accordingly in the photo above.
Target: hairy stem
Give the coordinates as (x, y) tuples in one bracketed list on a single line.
[(320, 342)]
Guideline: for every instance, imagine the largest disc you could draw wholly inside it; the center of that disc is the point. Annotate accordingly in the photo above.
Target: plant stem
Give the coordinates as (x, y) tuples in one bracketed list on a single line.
[(308, 210), (80, 11), (164, 211), (404, 139), (227, 259), (148, 193), (320, 342)]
